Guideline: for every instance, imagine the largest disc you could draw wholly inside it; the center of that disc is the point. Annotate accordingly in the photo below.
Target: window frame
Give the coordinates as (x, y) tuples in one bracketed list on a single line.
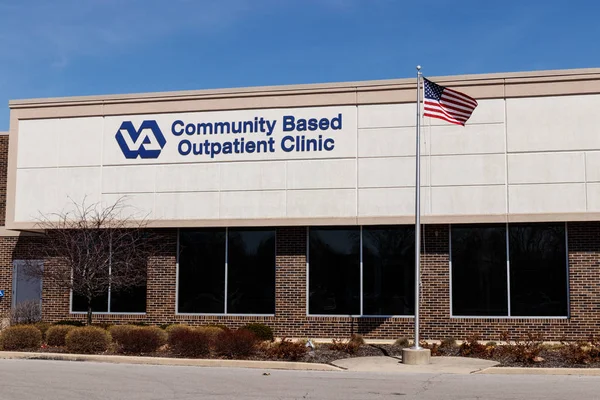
[(107, 312), (509, 316), (72, 312), (225, 287), (14, 290), (361, 286)]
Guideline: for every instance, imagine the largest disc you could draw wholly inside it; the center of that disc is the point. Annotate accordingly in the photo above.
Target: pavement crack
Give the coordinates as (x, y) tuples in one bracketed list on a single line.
[(426, 385)]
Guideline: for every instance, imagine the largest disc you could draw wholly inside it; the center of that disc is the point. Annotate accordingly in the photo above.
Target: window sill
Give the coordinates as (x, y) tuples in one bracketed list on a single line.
[(222, 315), (502, 317), (107, 313), (358, 316)]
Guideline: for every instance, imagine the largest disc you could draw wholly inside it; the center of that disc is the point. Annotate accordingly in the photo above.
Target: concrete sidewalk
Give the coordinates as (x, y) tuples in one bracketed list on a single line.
[(439, 365), (186, 362)]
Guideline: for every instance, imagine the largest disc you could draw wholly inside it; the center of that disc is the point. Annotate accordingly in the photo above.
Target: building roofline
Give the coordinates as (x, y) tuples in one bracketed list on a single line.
[(405, 83)]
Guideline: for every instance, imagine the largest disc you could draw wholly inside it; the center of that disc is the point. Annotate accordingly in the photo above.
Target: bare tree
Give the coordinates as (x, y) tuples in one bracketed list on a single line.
[(93, 248)]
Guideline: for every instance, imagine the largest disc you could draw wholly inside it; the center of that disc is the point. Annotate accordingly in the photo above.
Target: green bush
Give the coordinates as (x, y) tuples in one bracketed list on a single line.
[(189, 342), (56, 335), (240, 343), (21, 337), (119, 332), (142, 339), (87, 340), (43, 327), (403, 342), (261, 331), (70, 322)]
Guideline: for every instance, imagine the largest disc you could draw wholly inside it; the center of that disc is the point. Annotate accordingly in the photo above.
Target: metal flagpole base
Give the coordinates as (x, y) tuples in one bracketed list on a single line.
[(412, 356)]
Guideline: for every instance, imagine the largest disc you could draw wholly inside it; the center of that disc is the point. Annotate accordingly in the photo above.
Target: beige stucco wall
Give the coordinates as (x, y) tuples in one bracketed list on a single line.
[(531, 151)]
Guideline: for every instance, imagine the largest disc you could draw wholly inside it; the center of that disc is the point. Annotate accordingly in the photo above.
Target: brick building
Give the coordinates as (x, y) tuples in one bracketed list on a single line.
[(294, 205)]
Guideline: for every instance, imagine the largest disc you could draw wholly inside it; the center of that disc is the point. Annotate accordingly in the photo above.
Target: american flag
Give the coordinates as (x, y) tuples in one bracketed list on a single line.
[(447, 104)]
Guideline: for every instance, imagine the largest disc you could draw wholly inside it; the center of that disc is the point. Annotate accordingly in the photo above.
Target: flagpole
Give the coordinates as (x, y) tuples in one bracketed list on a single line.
[(417, 346)]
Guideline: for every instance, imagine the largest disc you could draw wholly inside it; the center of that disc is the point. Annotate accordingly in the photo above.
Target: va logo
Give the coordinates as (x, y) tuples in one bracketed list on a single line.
[(146, 142)]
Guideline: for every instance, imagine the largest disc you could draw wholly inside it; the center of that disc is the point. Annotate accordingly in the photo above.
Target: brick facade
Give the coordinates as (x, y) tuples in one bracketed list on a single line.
[(290, 304), (290, 316)]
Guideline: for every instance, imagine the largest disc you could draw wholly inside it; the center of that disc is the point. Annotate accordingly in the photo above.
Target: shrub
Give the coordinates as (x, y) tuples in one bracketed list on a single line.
[(211, 331), (87, 340), (261, 331), (56, 335), (240, 343), (70, 322), (43, 327), (189, 342), (358, 339), (102, 325), (21, 337), (448, 343), (434, 348), (472, 347), (287, 350), (119, 332), (220, 326), (525, 350), (402, 342), (141, 339), (581, 352), (347, 346), (173, 327), (26, 312)]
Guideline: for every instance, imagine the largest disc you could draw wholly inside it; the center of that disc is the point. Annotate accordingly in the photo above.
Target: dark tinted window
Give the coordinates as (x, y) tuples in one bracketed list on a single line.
[(538, 269), (388, 270), (201, 271), (99, 303), (479, 276), (132, 300), (251, 271), (334, 271)]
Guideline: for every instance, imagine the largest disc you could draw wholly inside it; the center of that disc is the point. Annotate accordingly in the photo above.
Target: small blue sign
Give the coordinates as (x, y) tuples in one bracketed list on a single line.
[(1, 293)]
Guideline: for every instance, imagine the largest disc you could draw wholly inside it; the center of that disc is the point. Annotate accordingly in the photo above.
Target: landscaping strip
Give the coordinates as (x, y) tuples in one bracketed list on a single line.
[(285, 365)]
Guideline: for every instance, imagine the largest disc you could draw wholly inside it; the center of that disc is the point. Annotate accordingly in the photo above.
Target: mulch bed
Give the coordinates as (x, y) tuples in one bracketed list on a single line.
[(322, 353), (550, 358)]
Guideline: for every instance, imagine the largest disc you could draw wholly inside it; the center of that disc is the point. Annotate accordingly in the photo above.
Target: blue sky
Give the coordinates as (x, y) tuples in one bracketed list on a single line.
[(51, 48)]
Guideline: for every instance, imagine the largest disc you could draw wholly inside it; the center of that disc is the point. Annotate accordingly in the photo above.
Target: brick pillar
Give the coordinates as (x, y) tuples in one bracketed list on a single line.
[(290, 281), (584, 277), (162, 282), (7, 245), (435, 280)]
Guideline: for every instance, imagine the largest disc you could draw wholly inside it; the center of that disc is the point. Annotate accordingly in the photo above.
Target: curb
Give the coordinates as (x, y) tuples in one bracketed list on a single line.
[(539, 371), (183, 362)]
